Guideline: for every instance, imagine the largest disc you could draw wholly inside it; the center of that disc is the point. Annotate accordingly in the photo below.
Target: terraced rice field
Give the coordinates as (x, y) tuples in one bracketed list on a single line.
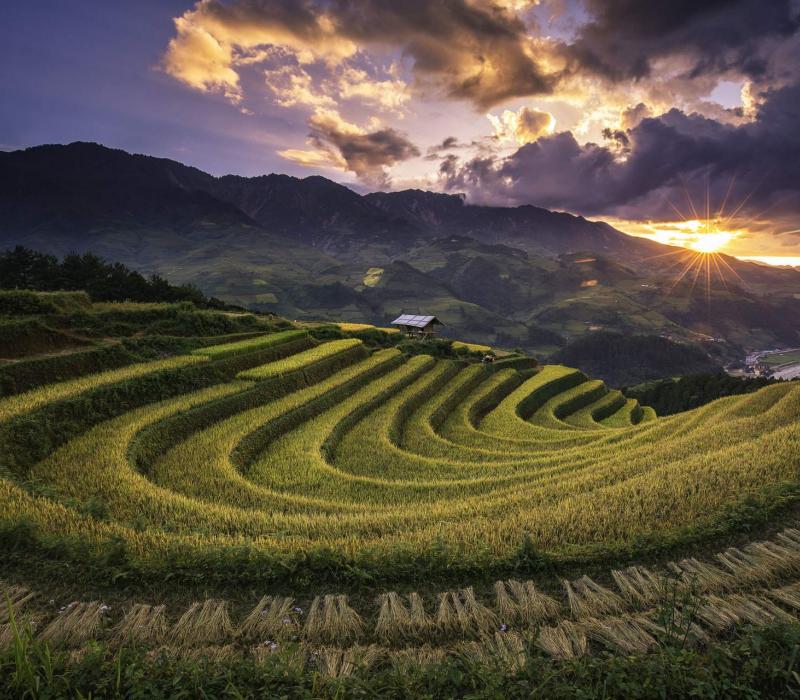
[(376, 458), (279, 461)]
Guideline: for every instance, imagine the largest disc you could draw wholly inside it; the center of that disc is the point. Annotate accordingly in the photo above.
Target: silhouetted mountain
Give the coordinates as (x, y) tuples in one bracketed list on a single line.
[(527, 227), (312, 248), (69, 189)]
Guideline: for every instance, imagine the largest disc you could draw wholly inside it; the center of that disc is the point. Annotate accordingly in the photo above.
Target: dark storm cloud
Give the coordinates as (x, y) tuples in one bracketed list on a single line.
[(364, 153), (625, 37), (664, 154), (476, 51), (450, 143)]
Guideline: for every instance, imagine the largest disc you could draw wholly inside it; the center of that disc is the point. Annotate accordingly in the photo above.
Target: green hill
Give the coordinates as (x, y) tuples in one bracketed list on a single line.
[(625, 360), (312, 249)]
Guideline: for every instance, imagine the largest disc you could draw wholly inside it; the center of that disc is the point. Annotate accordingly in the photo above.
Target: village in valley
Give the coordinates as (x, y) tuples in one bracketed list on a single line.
[(776, 363)]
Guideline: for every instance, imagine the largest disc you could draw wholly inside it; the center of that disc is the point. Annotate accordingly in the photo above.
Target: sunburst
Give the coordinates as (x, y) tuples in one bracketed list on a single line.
[(702, 239)]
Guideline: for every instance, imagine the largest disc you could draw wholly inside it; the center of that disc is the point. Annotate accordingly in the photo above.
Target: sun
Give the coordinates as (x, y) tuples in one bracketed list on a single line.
[(711, 241), (694, 234)]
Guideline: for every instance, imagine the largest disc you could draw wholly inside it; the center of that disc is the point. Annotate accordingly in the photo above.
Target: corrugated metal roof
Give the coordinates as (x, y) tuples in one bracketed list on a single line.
[(413, 320)]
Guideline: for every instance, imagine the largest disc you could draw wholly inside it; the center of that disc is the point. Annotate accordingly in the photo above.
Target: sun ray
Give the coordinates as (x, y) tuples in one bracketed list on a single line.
[(698, 268), (679, 251), (677, 211), (715, 258), (727, 264), (747, 198), (689, 198), (763, 211), (681, 261), (721, 212), (683, 274)]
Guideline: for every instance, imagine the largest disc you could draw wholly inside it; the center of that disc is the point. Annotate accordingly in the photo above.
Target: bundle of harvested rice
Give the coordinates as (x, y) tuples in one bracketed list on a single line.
[(75, 624), (589, 599), (331, 620), (521, 601), (144, 624), (564, 641), (275, 617), (203, 623)]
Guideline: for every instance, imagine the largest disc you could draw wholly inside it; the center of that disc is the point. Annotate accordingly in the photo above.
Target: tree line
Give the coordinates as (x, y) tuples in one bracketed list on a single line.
[(22, 268), (669, 396)]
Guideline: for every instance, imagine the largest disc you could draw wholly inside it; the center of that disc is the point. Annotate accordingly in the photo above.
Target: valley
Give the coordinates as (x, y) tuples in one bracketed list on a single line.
[(311, 249)]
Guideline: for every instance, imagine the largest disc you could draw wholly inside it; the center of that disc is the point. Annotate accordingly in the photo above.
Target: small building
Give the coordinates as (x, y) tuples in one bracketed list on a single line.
[(417, 326), (762, 369)]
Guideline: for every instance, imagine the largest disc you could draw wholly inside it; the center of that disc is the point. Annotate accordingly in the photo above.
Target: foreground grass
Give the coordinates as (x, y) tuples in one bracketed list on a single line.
[(758, 663)]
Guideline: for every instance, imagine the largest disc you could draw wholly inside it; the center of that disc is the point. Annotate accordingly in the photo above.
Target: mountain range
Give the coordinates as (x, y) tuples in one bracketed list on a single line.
[(309, 248)]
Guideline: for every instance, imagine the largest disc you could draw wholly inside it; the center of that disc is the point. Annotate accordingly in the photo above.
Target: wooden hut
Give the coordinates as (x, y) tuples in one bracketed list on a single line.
[(417, 326)]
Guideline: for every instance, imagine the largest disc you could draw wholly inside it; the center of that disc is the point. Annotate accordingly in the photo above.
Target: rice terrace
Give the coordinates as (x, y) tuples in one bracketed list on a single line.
[(353, 508), (421, 350)]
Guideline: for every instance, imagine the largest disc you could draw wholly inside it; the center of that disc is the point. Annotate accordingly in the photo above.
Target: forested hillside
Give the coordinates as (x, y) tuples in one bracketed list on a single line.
[(313, 249)]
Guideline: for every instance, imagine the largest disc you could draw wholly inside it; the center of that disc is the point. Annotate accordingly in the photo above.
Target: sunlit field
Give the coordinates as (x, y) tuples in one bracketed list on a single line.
[(368, 511), (374, 458)]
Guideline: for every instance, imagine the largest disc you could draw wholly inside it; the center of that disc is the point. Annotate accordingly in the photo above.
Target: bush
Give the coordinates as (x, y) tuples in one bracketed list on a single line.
[(23, 302), (30, 336)]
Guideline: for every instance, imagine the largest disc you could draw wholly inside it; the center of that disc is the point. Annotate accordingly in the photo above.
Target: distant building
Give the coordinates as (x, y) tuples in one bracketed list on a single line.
[(417, 326), (762, 369)]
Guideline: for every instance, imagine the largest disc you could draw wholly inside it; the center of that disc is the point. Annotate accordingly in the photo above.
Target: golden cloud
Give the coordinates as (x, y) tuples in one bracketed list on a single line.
[(293, 86), (213, 39), (525, 125), (390, 95), (478, 51), (200, 60)]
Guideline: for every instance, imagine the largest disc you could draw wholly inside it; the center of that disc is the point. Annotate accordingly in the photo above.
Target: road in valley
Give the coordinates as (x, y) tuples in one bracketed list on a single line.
[(787, 371)]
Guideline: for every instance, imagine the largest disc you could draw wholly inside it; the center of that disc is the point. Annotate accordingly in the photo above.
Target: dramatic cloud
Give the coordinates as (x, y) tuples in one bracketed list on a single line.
[(339, 144), (293, 86), (525, 125), (478, 51), (213, 39), (646, 170), (389, 95), (652, 97), (626, 38)]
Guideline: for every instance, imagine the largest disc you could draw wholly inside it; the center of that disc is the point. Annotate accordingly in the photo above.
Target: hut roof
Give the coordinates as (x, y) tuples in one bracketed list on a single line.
[(415, 321)]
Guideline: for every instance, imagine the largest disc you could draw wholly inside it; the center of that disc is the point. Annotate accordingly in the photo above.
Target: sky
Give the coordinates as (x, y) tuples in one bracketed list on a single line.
[(672, 119)]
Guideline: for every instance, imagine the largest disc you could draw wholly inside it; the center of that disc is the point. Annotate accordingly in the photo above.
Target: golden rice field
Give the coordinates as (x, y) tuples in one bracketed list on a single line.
[(373, 457)]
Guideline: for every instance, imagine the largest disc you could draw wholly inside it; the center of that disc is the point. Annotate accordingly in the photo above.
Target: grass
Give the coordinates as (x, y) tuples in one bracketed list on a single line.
[(755, 663), (782, 358), (301, 360), (218, 352), (215, 504), (518, 634), (472, 347), (30, 401), (354, 327)]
